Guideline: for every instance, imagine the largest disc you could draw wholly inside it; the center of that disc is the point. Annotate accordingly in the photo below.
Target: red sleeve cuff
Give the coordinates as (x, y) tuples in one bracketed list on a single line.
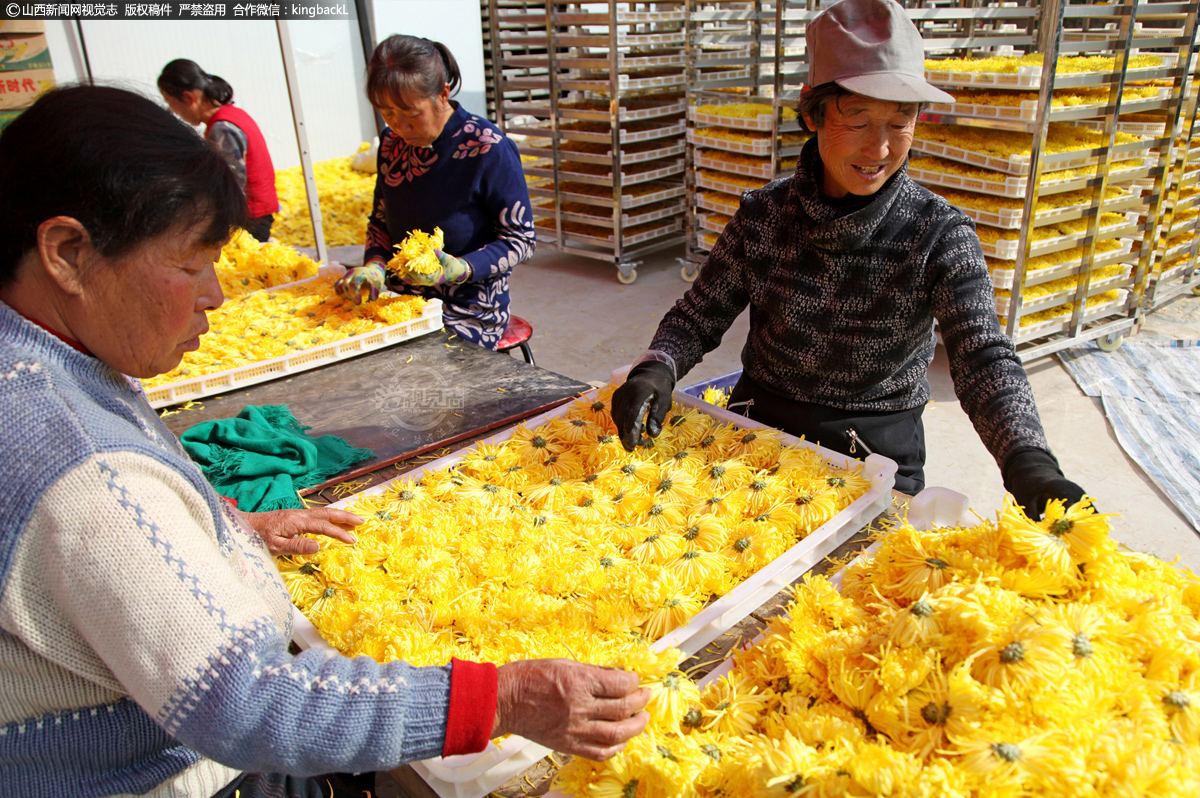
[(231, 501), (472, 707)]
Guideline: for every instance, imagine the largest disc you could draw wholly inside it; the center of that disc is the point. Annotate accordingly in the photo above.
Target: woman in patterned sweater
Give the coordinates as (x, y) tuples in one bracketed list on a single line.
[(440, 166), (845, 266), (144, 628)]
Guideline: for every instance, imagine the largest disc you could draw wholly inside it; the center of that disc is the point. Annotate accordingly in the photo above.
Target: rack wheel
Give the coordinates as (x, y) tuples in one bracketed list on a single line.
[(689, 275), (1110, 342), (626, 277), (1196, 290)]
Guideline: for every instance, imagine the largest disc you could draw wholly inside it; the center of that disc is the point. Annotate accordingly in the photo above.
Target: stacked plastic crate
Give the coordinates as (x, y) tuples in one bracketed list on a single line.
[(607, 138), (1057, 204), (746, 66)]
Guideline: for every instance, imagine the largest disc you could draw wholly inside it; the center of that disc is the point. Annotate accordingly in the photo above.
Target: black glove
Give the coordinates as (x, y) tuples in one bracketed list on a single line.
[(1034, 478), (648, 386)]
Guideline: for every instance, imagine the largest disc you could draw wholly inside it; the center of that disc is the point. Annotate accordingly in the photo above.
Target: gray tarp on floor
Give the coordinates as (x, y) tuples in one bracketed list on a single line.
[(1151, 396)]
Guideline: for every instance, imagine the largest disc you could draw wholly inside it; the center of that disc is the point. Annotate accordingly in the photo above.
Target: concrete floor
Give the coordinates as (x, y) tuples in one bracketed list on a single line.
[(586, 324)]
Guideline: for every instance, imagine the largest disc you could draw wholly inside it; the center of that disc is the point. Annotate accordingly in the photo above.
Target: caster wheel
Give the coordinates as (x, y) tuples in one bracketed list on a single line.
[(1196, 290), (1110, 343), (627, 278), (689, 275)]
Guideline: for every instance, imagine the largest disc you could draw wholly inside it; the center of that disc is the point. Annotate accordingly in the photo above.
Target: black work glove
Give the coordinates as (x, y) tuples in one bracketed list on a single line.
[(1034, 478), (648, 387)]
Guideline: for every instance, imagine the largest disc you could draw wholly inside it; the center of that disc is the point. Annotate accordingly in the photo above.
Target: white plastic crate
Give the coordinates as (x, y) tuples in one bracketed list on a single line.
[(757, 147), (1003, 278), (1009, 248), (1061, 323), (275, 368), (1061, 297), (761, 122), (1014, 165), (763, 171), (1007, 185), (476, 775)]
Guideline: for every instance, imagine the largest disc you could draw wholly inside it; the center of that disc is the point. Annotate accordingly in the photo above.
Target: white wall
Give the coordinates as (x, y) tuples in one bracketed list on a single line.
[(328, 57), (455, 23)]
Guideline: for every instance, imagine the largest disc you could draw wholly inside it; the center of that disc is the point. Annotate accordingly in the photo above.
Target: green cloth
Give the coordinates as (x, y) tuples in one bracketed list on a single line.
[(262, 457)]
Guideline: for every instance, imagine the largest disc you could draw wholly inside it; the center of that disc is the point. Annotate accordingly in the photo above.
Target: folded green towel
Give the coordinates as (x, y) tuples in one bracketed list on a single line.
[(262, 457)]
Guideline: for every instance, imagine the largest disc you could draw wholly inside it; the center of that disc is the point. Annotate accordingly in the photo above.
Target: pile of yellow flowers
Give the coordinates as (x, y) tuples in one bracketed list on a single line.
[(1060, 138), (558, 542), (715, 396), (345, 197), (1012, 658), (745, 110), (415, 254), (245, 265), (1059, 311), (1008, 64), (270, 324)]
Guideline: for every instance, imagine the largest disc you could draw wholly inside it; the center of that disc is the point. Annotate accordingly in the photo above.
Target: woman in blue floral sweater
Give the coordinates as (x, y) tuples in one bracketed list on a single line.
[(440, 166)]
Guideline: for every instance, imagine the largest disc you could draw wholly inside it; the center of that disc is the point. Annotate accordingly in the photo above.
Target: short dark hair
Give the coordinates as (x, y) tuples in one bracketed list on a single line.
[(409, 66), (122, 165), (816, 100), (183, 75)]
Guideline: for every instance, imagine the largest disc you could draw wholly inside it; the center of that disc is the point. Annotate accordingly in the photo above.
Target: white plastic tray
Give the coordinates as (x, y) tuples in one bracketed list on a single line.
[(1060, 324), (761, 122), (758, 147), (763, 171), (711, 205), (1009, 248), (707, 222), (1026, 77), (275, 368), (1007, 186), (1003, 278), (1027, 112), (475, 775), (1014, 165), (705, 181), (1011, 218), (1061, 297)]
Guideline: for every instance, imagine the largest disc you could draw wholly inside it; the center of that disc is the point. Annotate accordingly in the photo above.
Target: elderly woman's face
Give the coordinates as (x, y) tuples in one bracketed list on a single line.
[(143, 310), (863, 142), (418, 121)]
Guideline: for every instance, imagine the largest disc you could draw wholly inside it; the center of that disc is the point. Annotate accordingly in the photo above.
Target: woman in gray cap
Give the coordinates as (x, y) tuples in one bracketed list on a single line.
[(845, 266)]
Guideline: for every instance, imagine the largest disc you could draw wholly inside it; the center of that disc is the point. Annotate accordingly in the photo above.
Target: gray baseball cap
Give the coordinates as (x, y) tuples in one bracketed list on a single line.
[(872, 48)]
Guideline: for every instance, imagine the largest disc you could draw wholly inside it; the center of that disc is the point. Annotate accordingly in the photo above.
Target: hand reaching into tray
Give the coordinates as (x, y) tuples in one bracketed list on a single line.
[(570, 707), (281, 529)]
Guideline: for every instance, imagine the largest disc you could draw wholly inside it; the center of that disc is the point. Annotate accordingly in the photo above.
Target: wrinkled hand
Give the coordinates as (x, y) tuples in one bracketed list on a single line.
[(565, 705), (454, 271), (281, 529), (371, 276), (645, 394), (1034, 478)]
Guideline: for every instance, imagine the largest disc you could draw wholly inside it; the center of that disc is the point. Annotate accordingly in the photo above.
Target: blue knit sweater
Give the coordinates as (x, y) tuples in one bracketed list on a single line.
[(143, 626), (470, 184)]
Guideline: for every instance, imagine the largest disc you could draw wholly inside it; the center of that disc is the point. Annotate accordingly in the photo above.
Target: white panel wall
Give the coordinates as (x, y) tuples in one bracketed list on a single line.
[(455, 23), (328, 57)]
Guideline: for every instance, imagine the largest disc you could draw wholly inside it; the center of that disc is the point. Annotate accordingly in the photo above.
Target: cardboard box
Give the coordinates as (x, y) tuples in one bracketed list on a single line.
[(24, 51), (6, 117), (20, 89), (22, 26)]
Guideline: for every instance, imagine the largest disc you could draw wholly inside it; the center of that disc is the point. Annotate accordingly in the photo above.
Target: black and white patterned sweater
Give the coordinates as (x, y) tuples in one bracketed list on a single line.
[(843, 301)]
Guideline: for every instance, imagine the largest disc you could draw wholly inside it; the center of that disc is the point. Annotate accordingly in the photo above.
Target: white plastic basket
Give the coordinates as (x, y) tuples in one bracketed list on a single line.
[(275, 368), (475, 775)]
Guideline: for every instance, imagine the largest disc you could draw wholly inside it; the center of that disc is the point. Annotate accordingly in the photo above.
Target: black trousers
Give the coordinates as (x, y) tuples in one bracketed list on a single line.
[(898, 435), (278, 785), (260, 227)]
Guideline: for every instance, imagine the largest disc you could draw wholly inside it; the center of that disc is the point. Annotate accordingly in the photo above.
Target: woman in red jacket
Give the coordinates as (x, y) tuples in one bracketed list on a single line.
[(198, 97)]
